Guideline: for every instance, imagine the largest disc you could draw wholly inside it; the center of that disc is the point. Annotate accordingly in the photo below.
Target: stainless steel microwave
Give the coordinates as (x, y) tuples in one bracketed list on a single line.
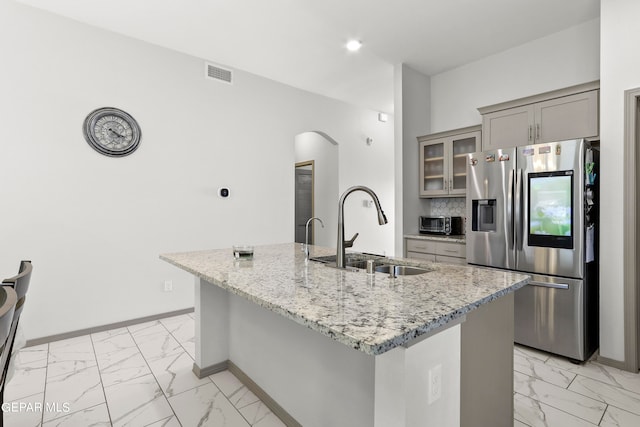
[(442, 225)]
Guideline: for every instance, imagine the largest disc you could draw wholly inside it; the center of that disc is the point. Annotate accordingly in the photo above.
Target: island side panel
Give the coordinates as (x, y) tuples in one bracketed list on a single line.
[(402, 382), (487, 365), (211, 328), (318, 381)]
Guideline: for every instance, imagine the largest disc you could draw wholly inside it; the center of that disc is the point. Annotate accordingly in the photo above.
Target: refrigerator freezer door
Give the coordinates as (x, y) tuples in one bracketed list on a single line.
[(490, 183), (549, 315), (551, 209)]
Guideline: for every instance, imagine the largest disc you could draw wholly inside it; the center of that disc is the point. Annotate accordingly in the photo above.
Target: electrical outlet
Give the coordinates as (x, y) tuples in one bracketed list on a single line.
[(168, 285), (435, 384)]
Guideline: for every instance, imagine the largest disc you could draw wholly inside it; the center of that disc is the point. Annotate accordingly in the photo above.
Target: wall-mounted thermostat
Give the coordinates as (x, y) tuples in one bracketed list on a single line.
[(223, 192)]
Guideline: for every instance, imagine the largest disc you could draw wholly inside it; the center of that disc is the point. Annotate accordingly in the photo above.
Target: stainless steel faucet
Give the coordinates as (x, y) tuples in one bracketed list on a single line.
[(341, 242), (306, 236)]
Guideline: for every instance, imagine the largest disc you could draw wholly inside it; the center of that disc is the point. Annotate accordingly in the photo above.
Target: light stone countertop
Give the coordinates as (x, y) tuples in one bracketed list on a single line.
[(370, 313), (438, 238)]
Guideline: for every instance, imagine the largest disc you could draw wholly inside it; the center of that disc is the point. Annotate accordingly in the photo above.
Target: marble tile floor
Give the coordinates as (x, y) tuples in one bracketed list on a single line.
[(550, 391), (134, 376), (141, 376)]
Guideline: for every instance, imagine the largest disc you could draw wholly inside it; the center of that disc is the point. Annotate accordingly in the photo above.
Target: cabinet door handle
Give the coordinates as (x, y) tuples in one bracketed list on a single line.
[(451, 184), (451, 251), (530, 132), (538, 132)]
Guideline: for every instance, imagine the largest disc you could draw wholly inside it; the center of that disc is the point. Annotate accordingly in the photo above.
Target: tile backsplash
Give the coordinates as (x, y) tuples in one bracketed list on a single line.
[(454, 206)]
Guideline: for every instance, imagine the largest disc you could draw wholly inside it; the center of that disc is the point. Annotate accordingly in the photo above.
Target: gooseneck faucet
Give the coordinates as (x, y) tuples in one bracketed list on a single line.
[(306, 236), (340, 256)]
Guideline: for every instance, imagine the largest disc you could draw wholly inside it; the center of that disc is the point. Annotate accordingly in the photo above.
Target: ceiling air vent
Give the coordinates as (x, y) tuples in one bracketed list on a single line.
[(216, 73)]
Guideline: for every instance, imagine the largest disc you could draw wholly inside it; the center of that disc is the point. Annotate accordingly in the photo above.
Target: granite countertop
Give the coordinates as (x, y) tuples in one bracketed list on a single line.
[(459, 238), (370, 313)]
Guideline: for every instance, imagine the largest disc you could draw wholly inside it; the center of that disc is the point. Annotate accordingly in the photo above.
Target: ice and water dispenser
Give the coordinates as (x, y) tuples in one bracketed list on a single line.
[(483, 215)]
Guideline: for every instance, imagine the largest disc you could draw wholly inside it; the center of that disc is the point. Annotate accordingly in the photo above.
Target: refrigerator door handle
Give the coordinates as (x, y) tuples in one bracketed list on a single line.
[(510, 233), (518, 211), (550, 285)]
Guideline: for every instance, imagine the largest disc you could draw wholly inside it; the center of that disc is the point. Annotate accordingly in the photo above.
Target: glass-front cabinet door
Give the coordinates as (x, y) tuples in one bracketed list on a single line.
[(460, 147), (434, 168), (443, 161)]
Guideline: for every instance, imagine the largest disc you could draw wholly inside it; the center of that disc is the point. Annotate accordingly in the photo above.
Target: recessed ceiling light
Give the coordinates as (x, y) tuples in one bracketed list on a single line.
[(354, 45)]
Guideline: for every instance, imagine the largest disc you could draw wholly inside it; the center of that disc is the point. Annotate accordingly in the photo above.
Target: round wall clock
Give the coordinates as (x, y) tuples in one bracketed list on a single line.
[(112, 132)]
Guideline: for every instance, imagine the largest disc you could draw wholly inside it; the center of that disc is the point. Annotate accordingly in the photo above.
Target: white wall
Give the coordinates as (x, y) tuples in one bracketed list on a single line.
[(559, 60), (620, 70), (412, 95), (94, 226), (372, 166)]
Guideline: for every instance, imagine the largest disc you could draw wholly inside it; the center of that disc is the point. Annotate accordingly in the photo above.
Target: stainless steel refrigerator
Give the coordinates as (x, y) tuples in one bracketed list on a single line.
[(534, 209)]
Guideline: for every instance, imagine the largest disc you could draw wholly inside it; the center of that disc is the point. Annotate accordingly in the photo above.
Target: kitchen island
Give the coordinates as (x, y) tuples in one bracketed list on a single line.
[(339, 347)]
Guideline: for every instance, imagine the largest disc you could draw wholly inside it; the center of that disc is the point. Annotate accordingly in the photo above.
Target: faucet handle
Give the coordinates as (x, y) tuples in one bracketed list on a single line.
[(349, 243)]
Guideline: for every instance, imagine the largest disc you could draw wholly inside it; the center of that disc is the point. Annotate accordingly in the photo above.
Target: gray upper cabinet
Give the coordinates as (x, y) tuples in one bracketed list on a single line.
[(548, 117), (574, 116), (443, 161), (507, 128)]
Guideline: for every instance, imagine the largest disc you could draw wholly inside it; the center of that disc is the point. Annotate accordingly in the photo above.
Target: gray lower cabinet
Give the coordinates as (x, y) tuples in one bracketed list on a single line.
[(436, 251)]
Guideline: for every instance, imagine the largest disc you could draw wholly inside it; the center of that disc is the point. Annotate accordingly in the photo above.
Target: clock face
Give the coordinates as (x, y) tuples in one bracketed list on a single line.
[(112, 132)]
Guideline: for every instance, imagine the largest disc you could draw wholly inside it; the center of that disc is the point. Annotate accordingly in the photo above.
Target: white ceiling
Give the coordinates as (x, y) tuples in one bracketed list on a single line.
[(301, 42)]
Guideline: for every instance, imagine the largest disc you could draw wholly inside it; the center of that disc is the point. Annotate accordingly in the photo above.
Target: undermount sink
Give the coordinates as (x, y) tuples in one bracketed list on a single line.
[(353, 260), (362, 264), (400, 270), (381, 265)]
